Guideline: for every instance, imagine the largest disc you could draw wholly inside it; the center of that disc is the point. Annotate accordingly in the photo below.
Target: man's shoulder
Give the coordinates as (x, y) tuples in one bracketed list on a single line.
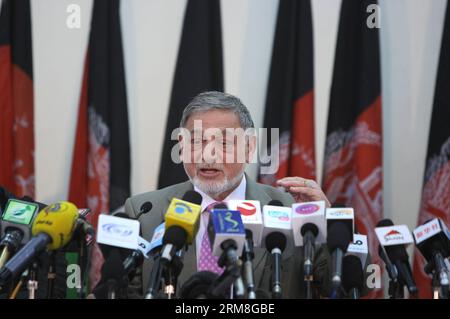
[(157, 197)]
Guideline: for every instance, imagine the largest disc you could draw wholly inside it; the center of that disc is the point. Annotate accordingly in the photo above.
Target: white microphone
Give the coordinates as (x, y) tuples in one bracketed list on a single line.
[(251, 217), (433, 241), (309, 228), (359, 248), (277, 218), (277, 232)]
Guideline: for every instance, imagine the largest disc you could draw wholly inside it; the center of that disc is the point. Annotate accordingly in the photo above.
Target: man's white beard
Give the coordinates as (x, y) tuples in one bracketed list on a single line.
[(214, 188)]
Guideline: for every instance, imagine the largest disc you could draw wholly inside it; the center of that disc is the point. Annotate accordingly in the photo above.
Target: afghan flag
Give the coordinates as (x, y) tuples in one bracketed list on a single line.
[(100, 178), (290, 93), (16, 99), (352, 173), (198, 69), (436, 184)]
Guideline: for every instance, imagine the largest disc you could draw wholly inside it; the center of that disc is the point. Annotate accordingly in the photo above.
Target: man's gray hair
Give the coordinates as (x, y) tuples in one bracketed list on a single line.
[(213, 100)]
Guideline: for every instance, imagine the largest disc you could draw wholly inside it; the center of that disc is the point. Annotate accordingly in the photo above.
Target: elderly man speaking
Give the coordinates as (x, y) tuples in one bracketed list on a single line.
[(206, 160)]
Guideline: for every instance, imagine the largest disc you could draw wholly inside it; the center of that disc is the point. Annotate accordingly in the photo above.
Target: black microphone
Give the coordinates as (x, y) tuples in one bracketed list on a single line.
[(247, 256), (112, 277), (275, 244), (390, 268), (399, 257), (352, 276), (174, 239), (309, 232), (432, 239), (338, 239), (136, 258), (145, 208), (198, 286)]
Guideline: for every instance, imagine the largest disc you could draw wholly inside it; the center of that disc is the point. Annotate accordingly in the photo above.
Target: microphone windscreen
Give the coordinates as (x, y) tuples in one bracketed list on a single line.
[(57, 221), (113, 267), (146, 207), (385, 222), (276, 240), (309, 227), (192, 197), (275, 202), (352, 273), (338, 236), (220, 206), (176, 236)]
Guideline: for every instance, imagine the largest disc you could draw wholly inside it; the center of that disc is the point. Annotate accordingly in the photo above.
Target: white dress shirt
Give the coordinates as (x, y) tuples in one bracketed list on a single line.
[(237, 194)]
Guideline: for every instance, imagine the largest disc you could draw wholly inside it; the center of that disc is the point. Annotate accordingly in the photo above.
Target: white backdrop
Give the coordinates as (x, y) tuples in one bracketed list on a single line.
[(410, 41)]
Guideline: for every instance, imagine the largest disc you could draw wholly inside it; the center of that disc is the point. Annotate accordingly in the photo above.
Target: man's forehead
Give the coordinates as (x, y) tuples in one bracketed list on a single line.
[(214, 118)]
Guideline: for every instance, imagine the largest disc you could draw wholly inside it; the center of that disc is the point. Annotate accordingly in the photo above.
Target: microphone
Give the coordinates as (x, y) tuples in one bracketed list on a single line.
[(393, 240), (198, 286), (145, 208), (433, 241), (252, 219), (353, 276), (359, 248), (248, 255), (155, 275), (309, 228), (226, 234), (16, 226), (277, 230), (275, 244), (52, 228), (182, 217), (112, 276), (340, 229)]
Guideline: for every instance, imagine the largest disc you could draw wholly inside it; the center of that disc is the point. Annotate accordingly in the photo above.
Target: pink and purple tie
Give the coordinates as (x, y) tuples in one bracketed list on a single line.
[(207, 261)]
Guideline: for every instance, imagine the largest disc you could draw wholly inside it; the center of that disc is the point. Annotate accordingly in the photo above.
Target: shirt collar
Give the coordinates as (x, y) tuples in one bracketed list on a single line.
[(237, 194)]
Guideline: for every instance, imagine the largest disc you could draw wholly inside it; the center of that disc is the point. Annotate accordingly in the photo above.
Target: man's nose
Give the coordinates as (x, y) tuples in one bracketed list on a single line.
[(211, 153)]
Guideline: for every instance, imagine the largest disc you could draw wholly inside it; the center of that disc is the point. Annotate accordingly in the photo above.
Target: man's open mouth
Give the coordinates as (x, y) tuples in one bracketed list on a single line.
[(209, 172)]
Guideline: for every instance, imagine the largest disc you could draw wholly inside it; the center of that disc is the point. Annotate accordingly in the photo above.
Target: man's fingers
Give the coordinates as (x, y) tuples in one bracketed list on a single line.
[(298, 182), (311, 192)]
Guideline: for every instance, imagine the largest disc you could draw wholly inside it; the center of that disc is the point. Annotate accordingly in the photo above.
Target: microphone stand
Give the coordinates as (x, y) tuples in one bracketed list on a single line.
[(51, 276), (32, 284), (231, 274), (171, 273)]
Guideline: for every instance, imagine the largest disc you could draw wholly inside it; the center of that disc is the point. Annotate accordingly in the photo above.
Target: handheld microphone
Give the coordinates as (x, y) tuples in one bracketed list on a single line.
[(155, 276), (393, 240), (251, 217), (277, 218), (433, 241), (352, 276), (52, 228), (112, 276), (359, 248), (340, 229), (16, 226), (309, 228), (248, 255), (182, 217), (277, 230), (226, 234)]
